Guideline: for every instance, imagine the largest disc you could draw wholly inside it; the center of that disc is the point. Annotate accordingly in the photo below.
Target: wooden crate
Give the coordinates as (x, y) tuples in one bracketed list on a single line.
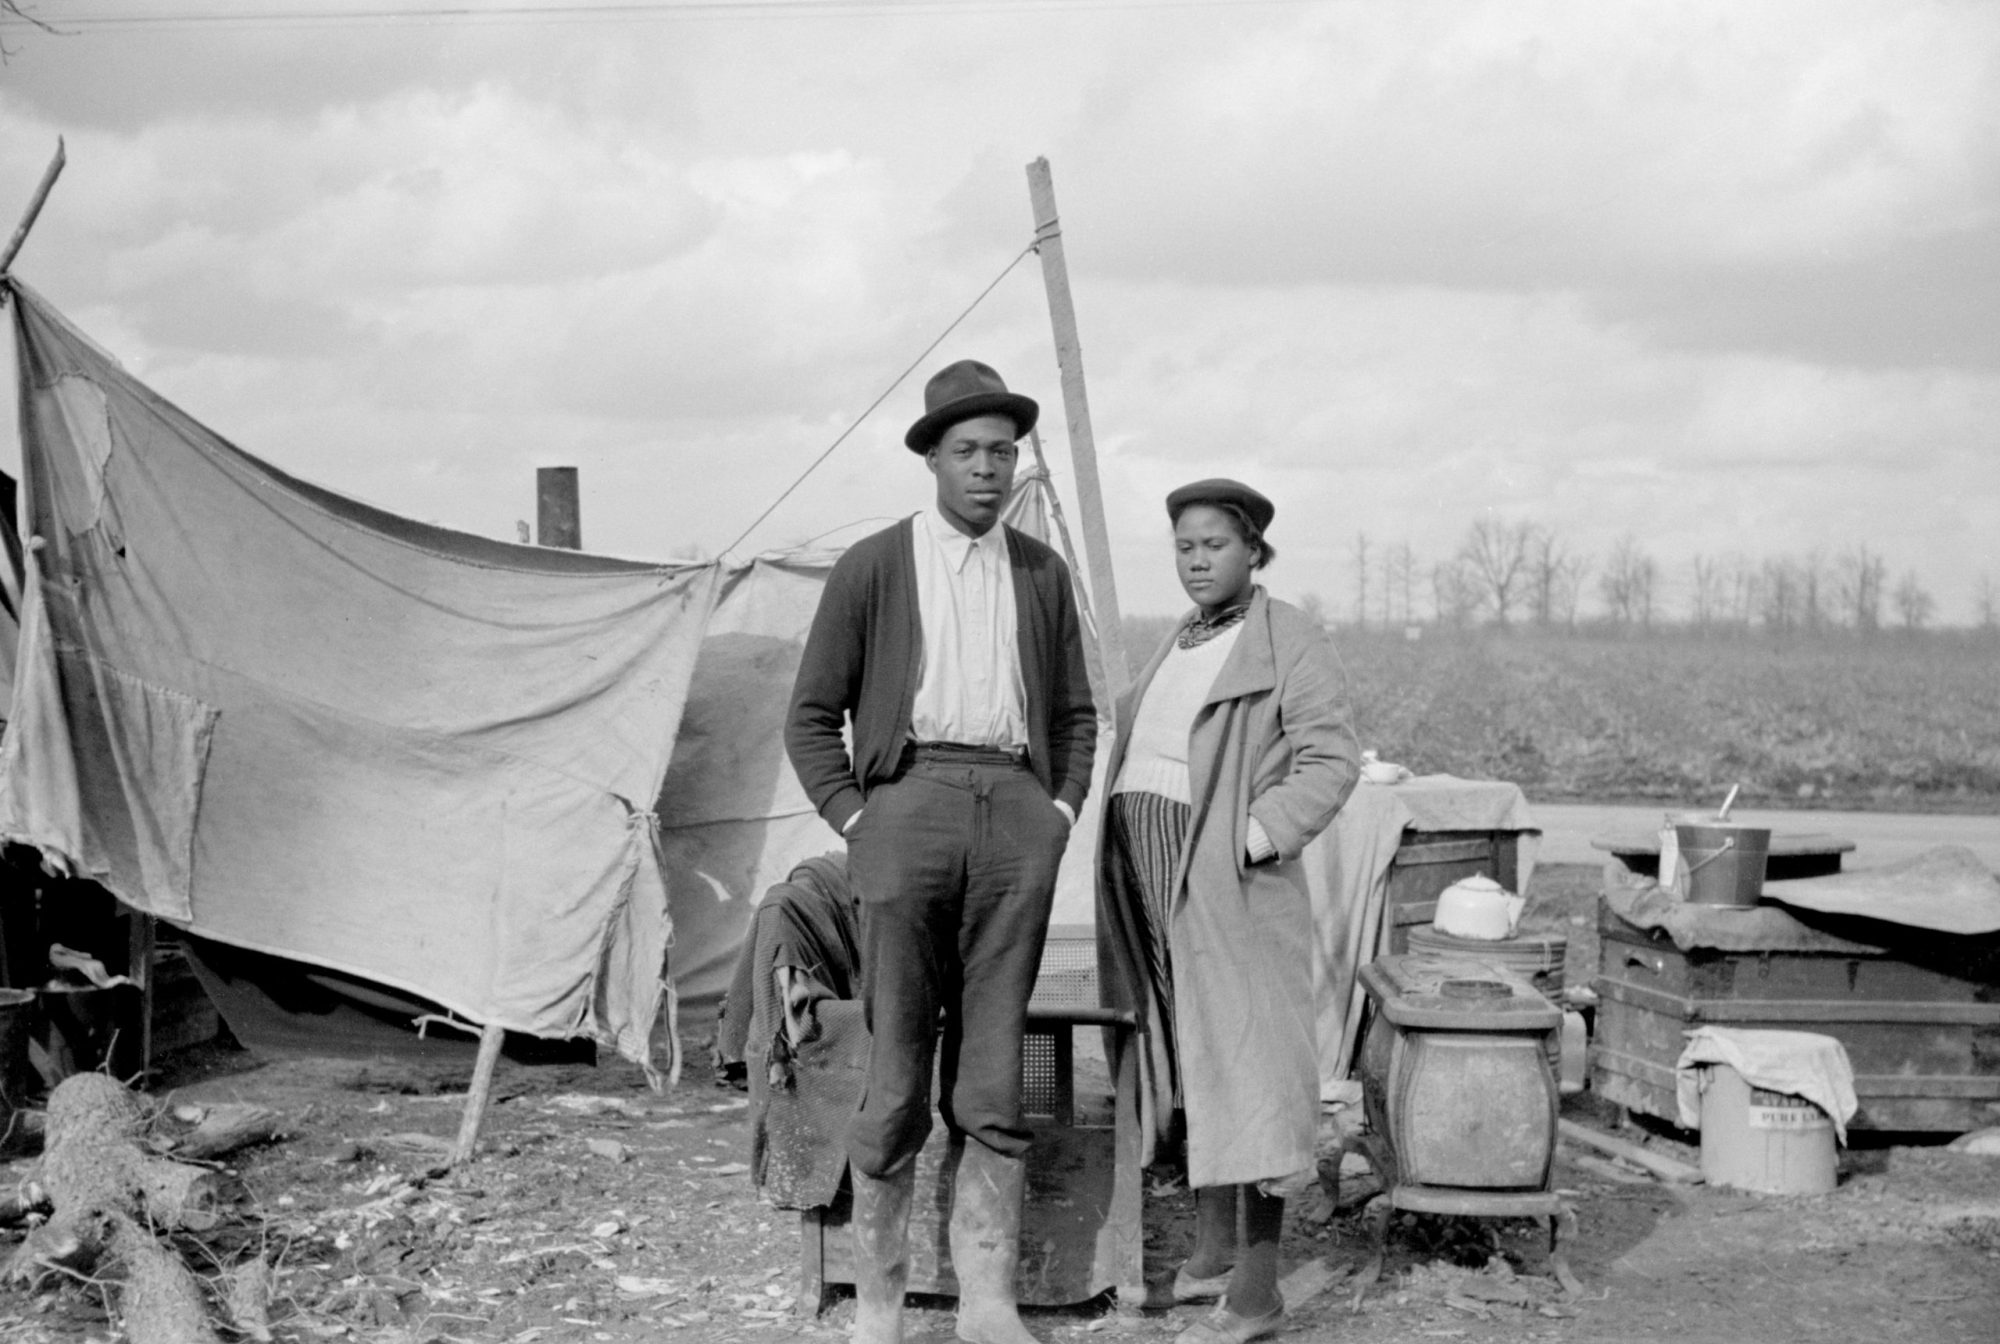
[(1427, 862), (181, 1014), (127, 1028), (1924, 1040)]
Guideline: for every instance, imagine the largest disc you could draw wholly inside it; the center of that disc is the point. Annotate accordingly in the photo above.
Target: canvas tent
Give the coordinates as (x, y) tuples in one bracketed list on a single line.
[(271, 714), (502, 778)]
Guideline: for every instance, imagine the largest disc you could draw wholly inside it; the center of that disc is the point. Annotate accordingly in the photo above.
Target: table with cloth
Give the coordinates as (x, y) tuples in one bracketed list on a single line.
[(1348, 870)]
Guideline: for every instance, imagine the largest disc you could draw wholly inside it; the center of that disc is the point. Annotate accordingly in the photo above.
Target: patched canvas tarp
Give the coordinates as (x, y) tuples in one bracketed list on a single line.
[(733, 819), (296, 723), (299, 724)]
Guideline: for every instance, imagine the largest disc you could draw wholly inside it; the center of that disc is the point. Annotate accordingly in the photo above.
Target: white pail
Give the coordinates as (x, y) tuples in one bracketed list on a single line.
[(1770, 1142)]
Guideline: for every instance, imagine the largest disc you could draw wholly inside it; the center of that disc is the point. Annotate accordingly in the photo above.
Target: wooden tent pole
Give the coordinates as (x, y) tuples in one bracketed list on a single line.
[(49, 176), (1082, 445), (490, 1038), (1098, 690)]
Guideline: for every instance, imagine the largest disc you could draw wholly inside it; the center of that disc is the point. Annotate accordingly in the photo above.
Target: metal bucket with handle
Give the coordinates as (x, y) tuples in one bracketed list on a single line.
[(1722, 862)]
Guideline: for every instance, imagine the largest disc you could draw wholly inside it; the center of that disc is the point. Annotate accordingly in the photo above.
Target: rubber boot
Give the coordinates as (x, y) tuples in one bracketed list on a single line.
[(986, 1245), (881, 1254)]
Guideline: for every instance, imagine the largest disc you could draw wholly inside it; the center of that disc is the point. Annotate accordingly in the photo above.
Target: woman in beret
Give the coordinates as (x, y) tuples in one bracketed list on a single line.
[(1233, 752)]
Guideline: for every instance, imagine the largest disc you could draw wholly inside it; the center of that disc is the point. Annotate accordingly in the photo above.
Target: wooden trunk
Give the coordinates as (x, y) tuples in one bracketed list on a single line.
[(1924, 1039)]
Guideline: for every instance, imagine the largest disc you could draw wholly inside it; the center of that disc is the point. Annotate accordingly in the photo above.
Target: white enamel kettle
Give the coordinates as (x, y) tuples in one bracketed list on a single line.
[(1478, 907)]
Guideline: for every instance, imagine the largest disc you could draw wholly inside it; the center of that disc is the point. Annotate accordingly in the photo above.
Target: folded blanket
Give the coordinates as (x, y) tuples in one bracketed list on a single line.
[(1643, 903)]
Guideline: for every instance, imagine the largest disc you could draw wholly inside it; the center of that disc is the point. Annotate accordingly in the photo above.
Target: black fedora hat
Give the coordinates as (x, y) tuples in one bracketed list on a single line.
[(963, 391), (1222, 490)]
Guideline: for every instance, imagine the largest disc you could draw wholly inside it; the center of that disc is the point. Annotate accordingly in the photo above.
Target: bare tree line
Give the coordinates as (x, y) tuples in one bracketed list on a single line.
[(1521, 573)]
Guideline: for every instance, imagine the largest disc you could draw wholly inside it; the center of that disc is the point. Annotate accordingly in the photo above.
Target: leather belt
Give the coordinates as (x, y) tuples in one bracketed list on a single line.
[(965, 753)]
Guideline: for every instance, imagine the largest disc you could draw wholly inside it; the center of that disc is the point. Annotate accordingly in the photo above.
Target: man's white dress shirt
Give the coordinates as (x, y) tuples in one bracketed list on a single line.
[(969, 684)]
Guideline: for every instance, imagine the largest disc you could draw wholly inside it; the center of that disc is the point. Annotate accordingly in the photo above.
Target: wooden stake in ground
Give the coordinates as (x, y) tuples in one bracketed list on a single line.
[(475, 1099), (1082, 444), (49, 176)]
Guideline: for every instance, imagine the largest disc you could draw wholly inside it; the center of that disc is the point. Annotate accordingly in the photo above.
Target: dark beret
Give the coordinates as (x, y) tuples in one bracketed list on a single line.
[(1221, 490)]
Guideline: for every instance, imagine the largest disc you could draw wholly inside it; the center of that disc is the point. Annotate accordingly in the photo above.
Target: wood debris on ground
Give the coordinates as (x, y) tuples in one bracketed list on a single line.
[(367, 1237), (114, 1203)]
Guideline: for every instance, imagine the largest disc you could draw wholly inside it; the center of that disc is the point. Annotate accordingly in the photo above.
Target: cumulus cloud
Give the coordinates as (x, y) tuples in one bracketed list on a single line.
[(1674, 163), (1719, 275)]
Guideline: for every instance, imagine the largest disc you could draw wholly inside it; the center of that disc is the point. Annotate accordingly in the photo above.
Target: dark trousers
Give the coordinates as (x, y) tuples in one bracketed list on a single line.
[(954, 862)]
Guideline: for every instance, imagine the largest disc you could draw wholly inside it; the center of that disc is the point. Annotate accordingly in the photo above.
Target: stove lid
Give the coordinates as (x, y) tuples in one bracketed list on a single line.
[(1456, 993)]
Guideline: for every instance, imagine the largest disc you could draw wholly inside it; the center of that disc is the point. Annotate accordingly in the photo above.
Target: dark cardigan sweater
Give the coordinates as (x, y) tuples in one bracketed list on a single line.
[(863, 657)]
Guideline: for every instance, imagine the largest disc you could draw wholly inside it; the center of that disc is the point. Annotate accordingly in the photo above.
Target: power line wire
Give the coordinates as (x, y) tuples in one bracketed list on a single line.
[(596, 11)]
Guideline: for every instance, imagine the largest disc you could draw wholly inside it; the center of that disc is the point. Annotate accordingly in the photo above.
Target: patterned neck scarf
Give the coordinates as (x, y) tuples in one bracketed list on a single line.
[(1198, 629)]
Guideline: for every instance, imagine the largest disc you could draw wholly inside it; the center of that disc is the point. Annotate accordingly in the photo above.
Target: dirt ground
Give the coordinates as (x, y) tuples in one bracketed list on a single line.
[(598, 1210)]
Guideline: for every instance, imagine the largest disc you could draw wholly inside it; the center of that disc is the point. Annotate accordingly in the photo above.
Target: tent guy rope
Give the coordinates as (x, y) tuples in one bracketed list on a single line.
[(896, 383)]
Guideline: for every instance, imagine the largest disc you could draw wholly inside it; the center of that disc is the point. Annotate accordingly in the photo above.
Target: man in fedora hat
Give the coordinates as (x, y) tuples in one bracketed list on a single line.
[(952, 643)]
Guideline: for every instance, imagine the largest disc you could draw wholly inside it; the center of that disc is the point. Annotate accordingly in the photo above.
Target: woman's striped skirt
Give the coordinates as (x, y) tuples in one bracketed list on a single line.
[(1148, 831)]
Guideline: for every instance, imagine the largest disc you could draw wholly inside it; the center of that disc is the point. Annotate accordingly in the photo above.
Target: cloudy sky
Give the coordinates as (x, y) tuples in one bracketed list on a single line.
[(1724, 277)]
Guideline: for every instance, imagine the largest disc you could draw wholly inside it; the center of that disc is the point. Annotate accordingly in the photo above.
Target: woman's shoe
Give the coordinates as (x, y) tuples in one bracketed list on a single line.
[(1223, 1326), (1189, 1289)]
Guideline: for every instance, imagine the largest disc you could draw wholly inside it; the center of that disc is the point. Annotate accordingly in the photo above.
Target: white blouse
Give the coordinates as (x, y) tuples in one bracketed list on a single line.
[(1156, 756)]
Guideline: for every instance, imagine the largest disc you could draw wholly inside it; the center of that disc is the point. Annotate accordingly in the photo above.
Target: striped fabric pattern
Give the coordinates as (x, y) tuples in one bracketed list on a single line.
[(1148, 832)]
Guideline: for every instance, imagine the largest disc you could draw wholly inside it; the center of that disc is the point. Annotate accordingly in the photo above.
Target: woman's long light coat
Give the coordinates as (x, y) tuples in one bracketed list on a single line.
[(1272, 741)]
